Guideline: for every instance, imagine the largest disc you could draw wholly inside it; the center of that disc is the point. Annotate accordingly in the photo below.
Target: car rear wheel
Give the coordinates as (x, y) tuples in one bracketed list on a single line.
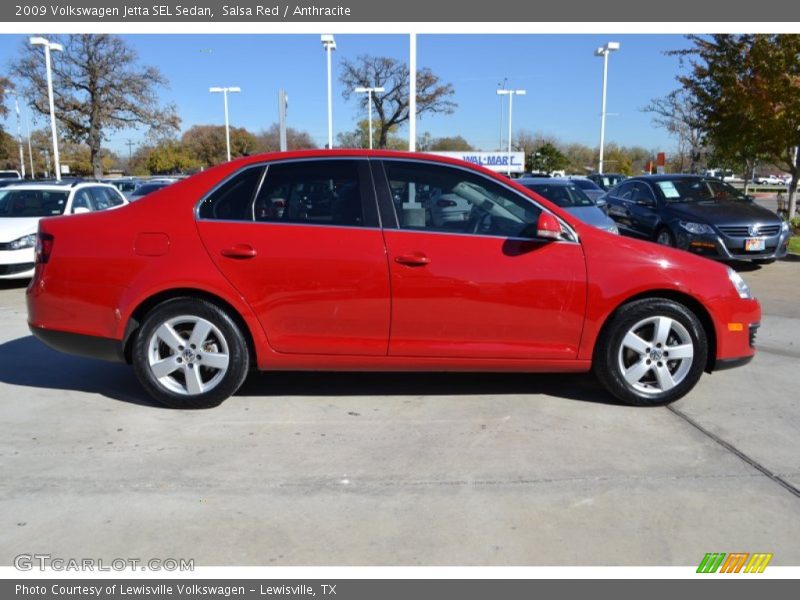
[(665, 237), (652, 352), (189, 353)]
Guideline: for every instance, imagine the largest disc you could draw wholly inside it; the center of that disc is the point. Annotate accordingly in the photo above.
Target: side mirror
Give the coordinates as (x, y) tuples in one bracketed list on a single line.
[(80, 210), (548, 227)]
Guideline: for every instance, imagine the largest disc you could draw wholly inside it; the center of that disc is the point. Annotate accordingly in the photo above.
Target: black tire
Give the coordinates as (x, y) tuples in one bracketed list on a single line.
[(665, 237), (614, 355), (223, 343)]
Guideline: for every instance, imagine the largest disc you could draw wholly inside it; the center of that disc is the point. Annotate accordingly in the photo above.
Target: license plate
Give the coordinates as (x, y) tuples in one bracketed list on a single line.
[(754, 244)]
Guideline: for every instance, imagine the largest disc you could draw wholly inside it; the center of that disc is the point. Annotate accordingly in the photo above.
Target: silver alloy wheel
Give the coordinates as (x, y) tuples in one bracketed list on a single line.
[(188, 355), (664, 238), (655, 355)]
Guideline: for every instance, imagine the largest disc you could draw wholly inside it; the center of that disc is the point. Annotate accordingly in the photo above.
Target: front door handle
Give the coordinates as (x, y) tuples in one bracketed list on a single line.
[(413, 260), (239, 251)]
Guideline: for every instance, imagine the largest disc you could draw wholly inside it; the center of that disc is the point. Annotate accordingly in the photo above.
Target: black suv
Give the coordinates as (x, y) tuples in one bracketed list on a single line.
[(700, 214)]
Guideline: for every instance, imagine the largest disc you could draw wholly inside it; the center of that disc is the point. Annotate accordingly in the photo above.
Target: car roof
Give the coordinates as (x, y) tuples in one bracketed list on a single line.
[(562, 181), (55, 185), (671, 176)]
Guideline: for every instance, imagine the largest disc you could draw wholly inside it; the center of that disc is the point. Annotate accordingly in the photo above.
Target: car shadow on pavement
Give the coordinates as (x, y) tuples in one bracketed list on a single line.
[(582, 387), (13, 284), (27, 362)]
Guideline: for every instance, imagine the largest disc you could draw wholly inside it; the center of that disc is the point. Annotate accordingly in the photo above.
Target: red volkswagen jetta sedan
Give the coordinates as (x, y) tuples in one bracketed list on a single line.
[(352, 260)]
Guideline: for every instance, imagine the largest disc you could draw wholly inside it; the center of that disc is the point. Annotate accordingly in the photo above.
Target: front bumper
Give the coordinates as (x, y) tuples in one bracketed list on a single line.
[(726, 247), (16, 264)]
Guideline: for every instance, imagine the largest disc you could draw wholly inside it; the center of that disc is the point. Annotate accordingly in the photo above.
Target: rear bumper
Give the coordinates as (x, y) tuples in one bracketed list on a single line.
[(82, 345)]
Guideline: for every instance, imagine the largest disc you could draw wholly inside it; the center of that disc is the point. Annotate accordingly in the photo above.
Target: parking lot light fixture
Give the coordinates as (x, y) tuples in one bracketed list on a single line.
[(225, 91), (329, 43), (510, 94), (50, 47), (369, 91), (604, 51)]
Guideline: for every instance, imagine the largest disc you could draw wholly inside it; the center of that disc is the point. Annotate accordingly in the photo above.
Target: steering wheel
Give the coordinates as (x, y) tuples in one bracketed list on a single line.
[(478, 218)]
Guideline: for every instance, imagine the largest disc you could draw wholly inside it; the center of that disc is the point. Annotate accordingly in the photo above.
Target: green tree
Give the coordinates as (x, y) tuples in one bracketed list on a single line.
[(206, 143), (391, 106), (359, 138), (99, 88), (169, 157), (547, 158), (746, 91), (450, 144)]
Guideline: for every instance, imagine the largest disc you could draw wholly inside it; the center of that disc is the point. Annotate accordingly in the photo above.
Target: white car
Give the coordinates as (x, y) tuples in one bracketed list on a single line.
[(23, 205)]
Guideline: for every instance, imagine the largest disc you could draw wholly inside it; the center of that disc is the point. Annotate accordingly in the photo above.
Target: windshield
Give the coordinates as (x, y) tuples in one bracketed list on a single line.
[(143, 190), (697, 190), (586, 184), (565, 196), (32, 203)]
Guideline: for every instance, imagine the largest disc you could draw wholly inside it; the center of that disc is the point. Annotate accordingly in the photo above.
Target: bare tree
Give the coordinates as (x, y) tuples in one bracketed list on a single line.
[(98, 88), (676, 113), (391, 106)]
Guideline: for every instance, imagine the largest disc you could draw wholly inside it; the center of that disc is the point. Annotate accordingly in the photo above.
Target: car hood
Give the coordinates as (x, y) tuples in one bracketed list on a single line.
[(591, 215), (724, 212), (14, 228)]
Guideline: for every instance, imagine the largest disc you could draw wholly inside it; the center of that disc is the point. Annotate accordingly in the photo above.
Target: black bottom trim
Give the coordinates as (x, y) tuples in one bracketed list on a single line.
[(731, 363), (83, 345)]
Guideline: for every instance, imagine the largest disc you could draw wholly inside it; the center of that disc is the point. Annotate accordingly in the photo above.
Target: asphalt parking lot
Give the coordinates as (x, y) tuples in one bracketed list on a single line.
[(407, 469)]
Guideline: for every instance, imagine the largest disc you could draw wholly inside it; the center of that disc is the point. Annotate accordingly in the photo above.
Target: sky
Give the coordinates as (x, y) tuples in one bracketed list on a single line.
[(560, 73)]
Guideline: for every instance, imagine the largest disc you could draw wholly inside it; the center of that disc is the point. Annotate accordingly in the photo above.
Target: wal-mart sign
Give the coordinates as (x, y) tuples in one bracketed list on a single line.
[(496, 161)]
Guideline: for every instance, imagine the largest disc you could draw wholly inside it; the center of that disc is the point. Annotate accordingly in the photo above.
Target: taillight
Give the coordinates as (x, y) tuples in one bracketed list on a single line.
[(444, 203), (44, 246)]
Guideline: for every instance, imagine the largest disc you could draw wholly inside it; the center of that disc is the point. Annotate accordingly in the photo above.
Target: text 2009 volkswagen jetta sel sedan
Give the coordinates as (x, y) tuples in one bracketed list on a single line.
[(333, 261)]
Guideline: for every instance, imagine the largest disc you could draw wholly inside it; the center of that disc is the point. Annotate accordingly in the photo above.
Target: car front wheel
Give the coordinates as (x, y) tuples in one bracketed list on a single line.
[(189, 353), (652, 352)]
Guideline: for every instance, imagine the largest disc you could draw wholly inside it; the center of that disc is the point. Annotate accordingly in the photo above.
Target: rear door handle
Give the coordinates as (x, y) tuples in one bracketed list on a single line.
[(412, 260), (239, 251)]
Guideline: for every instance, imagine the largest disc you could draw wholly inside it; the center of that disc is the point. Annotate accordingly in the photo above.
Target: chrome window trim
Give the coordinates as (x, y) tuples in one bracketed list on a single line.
[(571, 232)]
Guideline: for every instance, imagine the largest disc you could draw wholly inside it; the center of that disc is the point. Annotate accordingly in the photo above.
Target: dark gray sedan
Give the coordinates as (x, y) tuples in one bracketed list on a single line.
[(567, 195), (700, 214)]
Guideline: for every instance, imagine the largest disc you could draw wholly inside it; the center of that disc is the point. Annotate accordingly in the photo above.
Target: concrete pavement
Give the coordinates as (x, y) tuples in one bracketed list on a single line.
[(409, 469)]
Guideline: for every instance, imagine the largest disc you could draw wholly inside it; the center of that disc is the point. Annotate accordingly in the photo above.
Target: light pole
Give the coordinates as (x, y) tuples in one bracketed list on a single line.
[(330, 45), (225, 91), (19, 135), (48, 47), (501, 86), (604, 51), (510, 94), (369, 91)]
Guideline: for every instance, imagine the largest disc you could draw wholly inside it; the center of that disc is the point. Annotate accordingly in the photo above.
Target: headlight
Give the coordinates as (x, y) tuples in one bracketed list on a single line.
[(784, 226), (696, 228), (741, 287), (26, 241)]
